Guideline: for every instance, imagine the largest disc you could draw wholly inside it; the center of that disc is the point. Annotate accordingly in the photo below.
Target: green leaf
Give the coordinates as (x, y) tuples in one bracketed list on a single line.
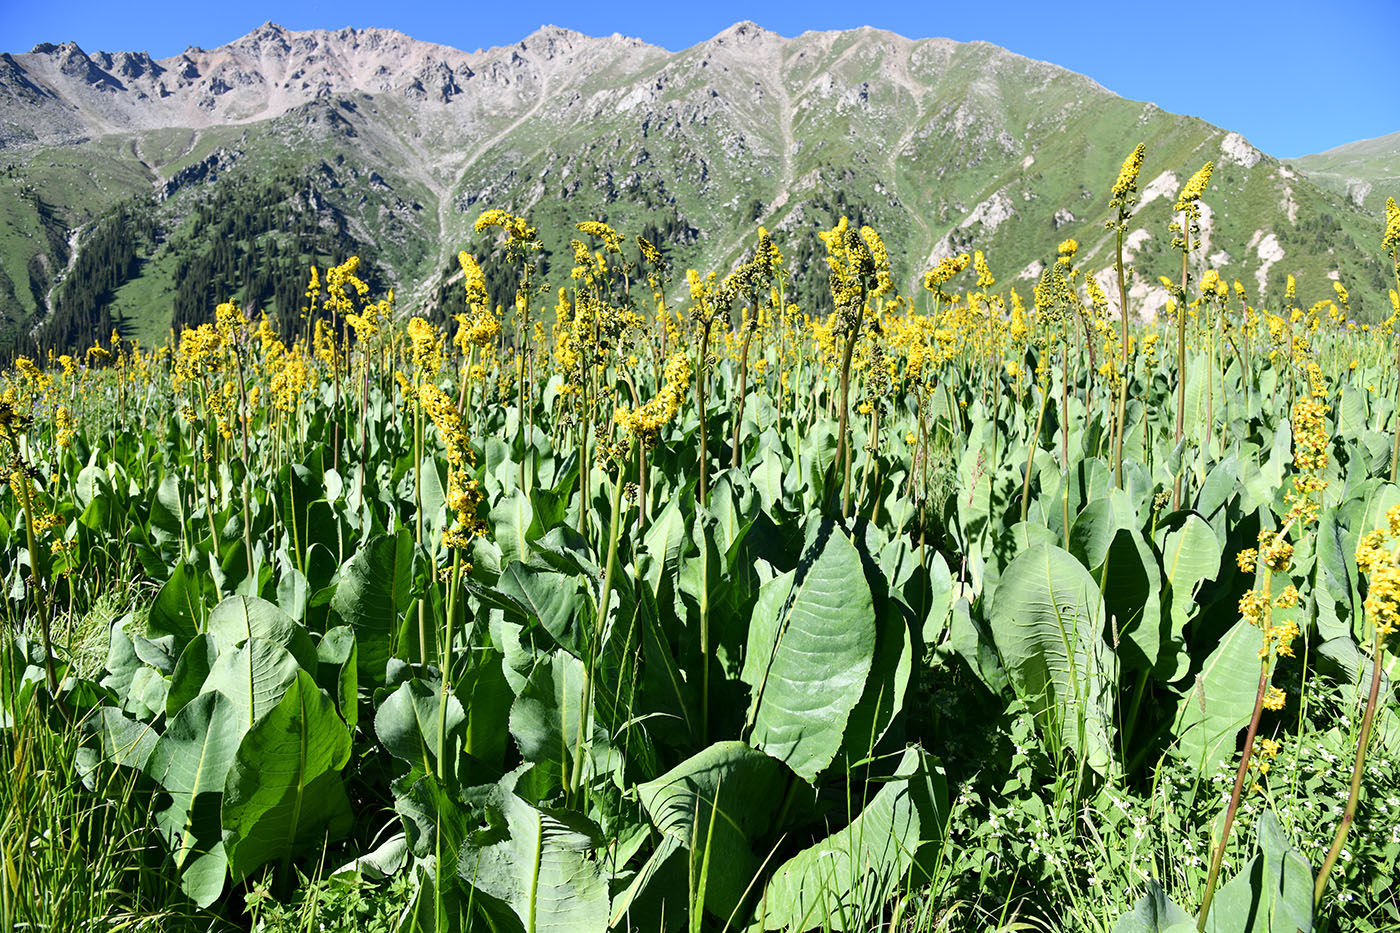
[(254, 676), (1153, 913), (375, 590), (1047, 622), (486, 699), (555, 599), (284, 790), (812, 656), (845, 881), (542, 870), (1190, 557), (191, 671), (121, 740), (179, 609), (545, 717), (407, 725), (514, 526), (739, 785), (239, 618), (883, 699), (1132, 587), (337, 672), (1271, 894), (190, 762), (1218, 705), (1093, 531)]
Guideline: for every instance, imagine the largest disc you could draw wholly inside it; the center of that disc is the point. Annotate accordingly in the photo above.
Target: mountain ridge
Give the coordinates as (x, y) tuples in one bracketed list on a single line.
[(942, 145)]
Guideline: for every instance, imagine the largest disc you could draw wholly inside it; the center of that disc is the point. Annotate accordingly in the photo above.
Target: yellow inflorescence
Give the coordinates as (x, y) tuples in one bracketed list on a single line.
[(1376, 557), (1195, 187)]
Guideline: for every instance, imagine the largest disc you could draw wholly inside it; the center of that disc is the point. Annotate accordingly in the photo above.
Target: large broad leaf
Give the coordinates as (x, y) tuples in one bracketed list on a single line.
[(284, 790), (557, 600), (1271, 894), (114, 740), (718, 802), (541, 870), (514, 526), (656, 899), (1132, 587), (407, 724), (845, 881), (179, 609), (1218, 705), (486, 699), (375, 590), (239, 618), (810, 651), (1190, 556), (1047, 621), (254, 677), (545, 717), (190, 762), (191, 671), (1153, 913), (665, 542), (1093, 532), (883, 699)]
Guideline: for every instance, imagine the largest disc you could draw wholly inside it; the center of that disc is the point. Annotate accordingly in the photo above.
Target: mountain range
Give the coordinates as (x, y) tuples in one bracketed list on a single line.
[(142, 191)]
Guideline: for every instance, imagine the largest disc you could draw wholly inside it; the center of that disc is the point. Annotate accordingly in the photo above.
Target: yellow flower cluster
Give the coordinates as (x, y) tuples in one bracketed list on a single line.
[(426, 345), (612, 240), (200, 353), (945, 269), (649, 252), (1310, 443), (1391, 241), (984, 274), (479, 326), (645, 422), (463, 492), (293, 376), (1195, 187), (64, 426), (1126, 184), (1376, 557), (880, 260), (515, 227)]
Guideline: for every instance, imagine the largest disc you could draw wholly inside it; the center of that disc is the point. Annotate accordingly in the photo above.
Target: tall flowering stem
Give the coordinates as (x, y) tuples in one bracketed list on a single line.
[(1376, 557), (1390, 243), (709, 302), (463, 498), (1274, 556), (1123, 201), (12, 425), (600, 616), (1188, 232), (521, 244), (860, 269)]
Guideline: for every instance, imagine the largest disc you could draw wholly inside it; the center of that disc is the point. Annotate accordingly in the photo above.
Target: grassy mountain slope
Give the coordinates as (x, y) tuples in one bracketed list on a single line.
[(1366, 171), (324, 144)]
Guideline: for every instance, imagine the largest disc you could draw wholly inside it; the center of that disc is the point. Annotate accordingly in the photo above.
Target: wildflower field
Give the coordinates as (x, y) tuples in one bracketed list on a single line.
[(651, 602)]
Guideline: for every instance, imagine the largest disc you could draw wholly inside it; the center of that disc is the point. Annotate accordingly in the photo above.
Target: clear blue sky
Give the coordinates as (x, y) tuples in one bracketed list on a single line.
[(1293, 77)]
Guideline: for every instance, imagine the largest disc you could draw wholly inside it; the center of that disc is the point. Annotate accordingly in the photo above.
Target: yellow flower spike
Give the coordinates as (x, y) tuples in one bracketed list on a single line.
[(612, 240), (1195, 187), (1390, 242), (1126, 184)]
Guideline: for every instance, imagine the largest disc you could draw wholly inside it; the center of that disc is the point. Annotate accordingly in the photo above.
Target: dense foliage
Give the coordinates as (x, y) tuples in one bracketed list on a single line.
[(962, 612)]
